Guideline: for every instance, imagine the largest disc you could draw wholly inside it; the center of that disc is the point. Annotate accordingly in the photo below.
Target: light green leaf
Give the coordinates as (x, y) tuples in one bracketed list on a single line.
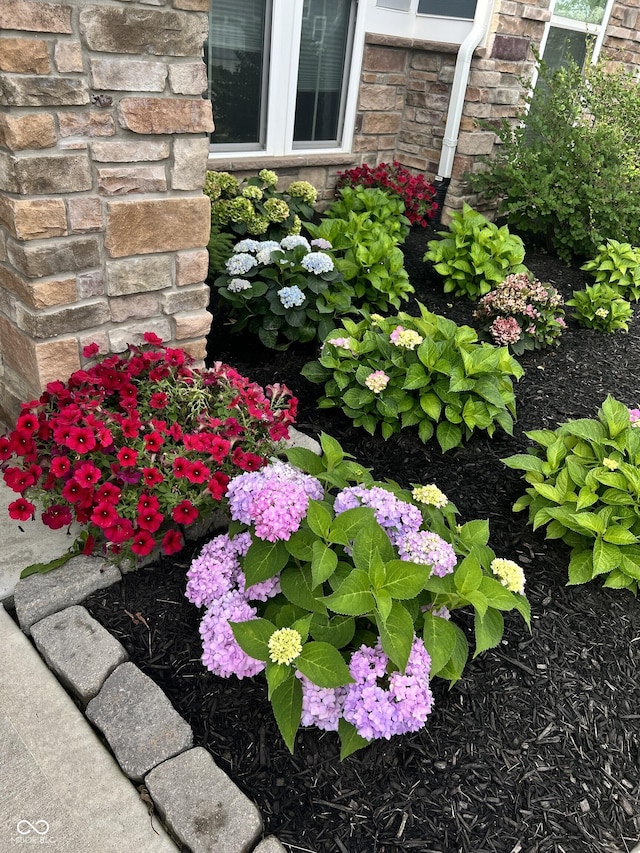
[(439, 640), (353, 597), (264, 560), (350, 740), (488, 630), (286, 701), (468, 575), (323, 563), (397, 635), (253, 637), (323, 664)]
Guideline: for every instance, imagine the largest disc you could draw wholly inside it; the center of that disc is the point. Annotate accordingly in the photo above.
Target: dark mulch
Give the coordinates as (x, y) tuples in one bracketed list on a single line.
[(536, 748)]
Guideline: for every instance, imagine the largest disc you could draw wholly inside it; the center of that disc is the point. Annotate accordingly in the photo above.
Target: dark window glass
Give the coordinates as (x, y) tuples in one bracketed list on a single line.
[(448, 8), (236, 62), (563, 44)]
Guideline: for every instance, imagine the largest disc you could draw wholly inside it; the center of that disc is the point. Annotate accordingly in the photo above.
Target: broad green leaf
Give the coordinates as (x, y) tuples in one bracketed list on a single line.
[(523, 462), (286, 701), (590, 521), (404, 579), (488, 630), (605, 557), (353, 597), (431, 405), (338, 630), (448, 435), (346, 525), (618, 535), (350, 740), (253, 637), (468, 575), (397, 635), (297, 587), (305, 459), (319, 518), (616, 416), (323, 664), (439, 639), (454, 667), (384, 603), (369, 541), (497, 595), (474, 533), (479, 601), (275, 673), (415, 378), (586, 498), (264, 560), (331, 450), (549, 492), (323, 563), (300, 545), (585, 428), (619, 580)]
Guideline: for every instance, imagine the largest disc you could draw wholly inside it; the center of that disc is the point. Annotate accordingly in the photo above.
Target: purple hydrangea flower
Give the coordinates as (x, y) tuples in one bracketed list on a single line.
[(397, 517), (321, 706), (428, 549), (221, 653), (215, 571)]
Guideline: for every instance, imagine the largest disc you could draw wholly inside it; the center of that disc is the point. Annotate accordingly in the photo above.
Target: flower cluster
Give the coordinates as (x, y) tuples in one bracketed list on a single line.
[(405, 338), (417, 195), (634, 417), (430, 495), (523, 313), (289, 290), (377, 381), (256, 207), (509, 574), (140, 445)]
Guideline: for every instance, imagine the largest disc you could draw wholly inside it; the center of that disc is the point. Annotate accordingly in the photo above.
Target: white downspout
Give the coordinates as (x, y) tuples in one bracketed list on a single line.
[(478, 31)]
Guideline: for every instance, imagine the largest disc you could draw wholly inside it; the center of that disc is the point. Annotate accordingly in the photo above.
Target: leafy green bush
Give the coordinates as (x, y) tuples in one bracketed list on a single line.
[(283, 292), (422, 371), (601, 307), (585, 489), (350, 578), (475, 255), (382, 208), (569, 172), (618, 265), (368, 258)]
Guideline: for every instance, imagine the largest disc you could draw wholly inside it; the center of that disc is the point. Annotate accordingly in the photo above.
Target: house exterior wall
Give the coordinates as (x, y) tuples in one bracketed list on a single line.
[(103, 149)]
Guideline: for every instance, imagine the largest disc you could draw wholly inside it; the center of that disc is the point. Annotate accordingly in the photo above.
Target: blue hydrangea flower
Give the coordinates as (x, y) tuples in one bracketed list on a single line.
[(238, 284), (247, 246), (294, 240), (240, 264), (291, 297), (317, 263), (265, 247)]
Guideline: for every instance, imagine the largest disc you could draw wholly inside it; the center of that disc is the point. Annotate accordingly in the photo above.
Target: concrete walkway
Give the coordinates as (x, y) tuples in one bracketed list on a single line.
[(58, 785)]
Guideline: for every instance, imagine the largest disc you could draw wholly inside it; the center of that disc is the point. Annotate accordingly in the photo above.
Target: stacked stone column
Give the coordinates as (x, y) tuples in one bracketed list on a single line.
[(103, 151)]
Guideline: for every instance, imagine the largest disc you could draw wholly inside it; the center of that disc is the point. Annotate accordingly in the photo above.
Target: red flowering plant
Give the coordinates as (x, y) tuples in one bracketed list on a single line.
[(138, 447), (416, 193)]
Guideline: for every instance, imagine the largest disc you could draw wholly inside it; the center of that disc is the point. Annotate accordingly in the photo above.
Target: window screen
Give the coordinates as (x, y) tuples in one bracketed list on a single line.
[(448, 8)]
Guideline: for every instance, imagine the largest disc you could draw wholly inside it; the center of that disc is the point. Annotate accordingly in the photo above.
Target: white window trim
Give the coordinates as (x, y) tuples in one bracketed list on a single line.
[(409, 24), (598, 30), (282, 85)]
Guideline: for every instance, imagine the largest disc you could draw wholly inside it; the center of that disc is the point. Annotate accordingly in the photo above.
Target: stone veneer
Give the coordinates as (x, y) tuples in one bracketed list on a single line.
[(103, 150)]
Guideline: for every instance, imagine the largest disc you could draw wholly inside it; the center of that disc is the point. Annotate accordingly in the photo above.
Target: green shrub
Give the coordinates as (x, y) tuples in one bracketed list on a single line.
[(425, 371), (585, 489), (601, 307), (569, 172), (382, 208), (618, 265), (368, 258), (475, 255)]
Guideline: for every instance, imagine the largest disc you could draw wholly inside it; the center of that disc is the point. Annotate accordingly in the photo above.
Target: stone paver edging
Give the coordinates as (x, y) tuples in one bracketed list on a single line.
[(197, 801)]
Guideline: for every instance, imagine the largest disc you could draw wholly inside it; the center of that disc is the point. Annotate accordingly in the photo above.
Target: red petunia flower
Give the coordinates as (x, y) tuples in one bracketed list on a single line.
[(27, 422), (172, 542), (130, 428), (217, 486), (219, 448), (21, 510), (143, 543), (278, 432), (158, 400), (18, 480), (73, 492), (247, 461), (120, 531), (60, 466), (104, 515), (87, 475), (127, 457), (81, 439), (149, 519), (5, 449), (153, 442), (198, 472), (147, 501), (151, 477), (90, 350), (175, 432), (57, 516), (108, 493), (152, 338), (181, 466), (184, 513)]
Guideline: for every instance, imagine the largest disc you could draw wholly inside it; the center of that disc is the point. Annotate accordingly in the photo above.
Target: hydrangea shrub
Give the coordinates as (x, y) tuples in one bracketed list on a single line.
[(283, 291), (341, 591), (426, 371)]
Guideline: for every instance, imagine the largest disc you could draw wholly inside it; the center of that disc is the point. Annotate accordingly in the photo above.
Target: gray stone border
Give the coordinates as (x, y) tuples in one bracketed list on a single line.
[(198, 803)]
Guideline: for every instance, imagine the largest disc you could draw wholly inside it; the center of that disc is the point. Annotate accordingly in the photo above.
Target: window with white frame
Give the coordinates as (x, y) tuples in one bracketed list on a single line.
[(279, 74), (576, 30)]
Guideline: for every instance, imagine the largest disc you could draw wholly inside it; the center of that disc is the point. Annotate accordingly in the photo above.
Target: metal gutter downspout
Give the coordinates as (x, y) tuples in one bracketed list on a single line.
[(478, 31)]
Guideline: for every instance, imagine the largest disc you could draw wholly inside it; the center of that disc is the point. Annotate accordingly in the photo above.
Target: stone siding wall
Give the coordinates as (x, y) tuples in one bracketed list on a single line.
[(622, 41), (103, 149)]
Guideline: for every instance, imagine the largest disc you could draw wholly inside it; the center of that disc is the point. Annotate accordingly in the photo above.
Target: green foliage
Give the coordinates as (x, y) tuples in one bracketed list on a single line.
[(342, 582), (383, 208), (585, 489), (369, 259), (283, 292), (601, 307), (220, 248), (617, 265), (425, 371), (475, 255), (569, 172)]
